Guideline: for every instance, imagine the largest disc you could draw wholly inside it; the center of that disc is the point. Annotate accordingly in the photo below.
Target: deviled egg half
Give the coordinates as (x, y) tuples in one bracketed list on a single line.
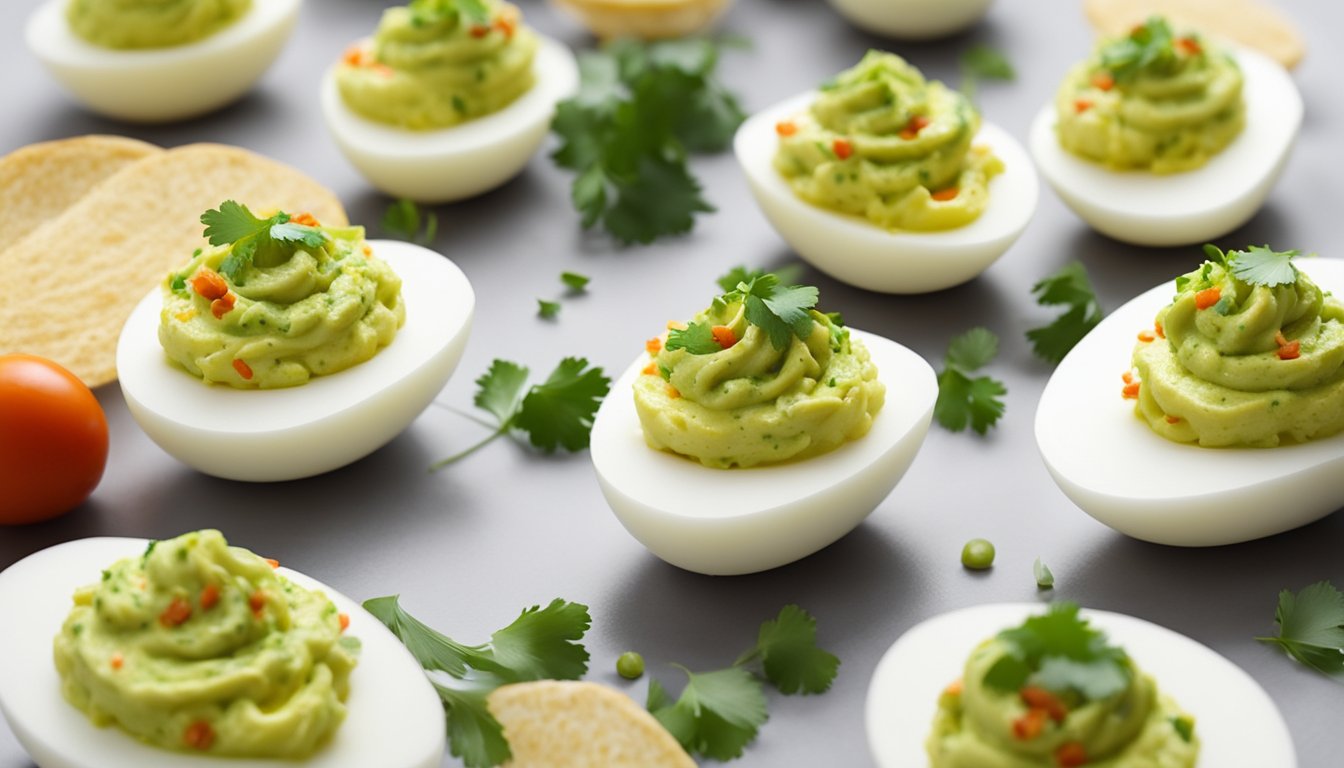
[(439, 105), (176, 653), (284, 349), (887, 181), (759, 432), (155, 61), (912, 19), (1211, 418), (1167, 138)]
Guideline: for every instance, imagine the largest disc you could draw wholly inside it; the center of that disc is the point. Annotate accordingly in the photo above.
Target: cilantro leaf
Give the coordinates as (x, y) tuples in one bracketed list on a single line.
[(729, 280), (1149, 47), (542, 643), (500, 388), (268, 241), (472, 12), (697, 338), (963, 400), (402, 219), (1060, 651), (1260, 265), (1311, 628), (1069, 287), (574, 281), (232, 222), (787, 648), (779, 311), (718, 713), (973, 350), (548, 309)]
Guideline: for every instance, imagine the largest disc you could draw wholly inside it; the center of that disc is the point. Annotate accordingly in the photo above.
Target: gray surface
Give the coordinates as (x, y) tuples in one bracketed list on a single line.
[(469, 547)]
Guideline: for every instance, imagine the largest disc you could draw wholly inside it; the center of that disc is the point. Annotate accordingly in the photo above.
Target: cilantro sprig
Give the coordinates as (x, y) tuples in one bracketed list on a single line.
[(1311, 628), (1069, 287), (640, 109), (964, 400), (984, 62), (720, 712), (1061, 652), (403, 219), (696, 338), (541, 644), (781, 311), (262, 241), (555, 413), (472, 12), (1261, 265), (1150, 47)]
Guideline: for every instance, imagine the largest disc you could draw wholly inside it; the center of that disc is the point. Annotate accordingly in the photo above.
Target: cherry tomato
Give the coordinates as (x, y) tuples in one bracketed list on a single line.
[(53, 440)]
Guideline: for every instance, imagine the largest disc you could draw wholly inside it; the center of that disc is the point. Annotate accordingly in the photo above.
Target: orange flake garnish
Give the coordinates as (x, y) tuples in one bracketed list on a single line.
[(842, 148), (223, 305), (786, 128), (344, 619), (199, 735), (672, 392), (1147, 336), (257, 602), (649, 369), (723, 335), (243, 369), (117, 661), (1131, 391), (1173, 419), (177, 612), (209, 597), (653, 346), (1207, 298), (305, 219), (1103, 81), (945, 194), (272, 562), (1082, 105)]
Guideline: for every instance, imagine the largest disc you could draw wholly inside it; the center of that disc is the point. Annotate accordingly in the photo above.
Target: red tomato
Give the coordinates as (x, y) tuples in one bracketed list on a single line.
[(53, 440)]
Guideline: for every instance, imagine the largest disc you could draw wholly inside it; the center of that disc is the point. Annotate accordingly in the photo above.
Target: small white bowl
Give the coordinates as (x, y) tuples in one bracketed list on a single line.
[(912, 19), (1197, 206), (1119, 471), (161, 84), (285, 434), (439, 166), (856, 251), (734, 521)]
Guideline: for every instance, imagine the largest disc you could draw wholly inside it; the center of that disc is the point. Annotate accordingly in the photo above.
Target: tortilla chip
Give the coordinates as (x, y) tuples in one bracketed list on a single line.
[(39, 181), (73, 281), (566, 724), (1248, 22)]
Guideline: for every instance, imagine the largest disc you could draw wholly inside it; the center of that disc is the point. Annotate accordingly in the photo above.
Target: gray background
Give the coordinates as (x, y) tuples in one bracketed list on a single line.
[(469, 547)]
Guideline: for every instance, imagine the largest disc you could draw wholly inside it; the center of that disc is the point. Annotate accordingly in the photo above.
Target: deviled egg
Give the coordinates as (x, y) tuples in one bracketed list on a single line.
[(438, 106), (886, 181), (56, 733), (267, 358), (912, 19), (1143, 473), (741, 443), (910, 688), (1163, 138), (147, 61)]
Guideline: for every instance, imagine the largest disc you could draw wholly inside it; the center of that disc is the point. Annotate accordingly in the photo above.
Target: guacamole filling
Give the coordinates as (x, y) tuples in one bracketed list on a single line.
[(432, 65), (1242, 363), (734, 388), (131, 24), (276, 313), (1053, 694), (202, 647), (883, 143), (1152, 100)]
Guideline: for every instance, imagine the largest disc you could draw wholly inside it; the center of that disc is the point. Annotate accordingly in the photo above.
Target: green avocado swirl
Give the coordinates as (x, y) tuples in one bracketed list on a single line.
[(881, 142), (430, 67), (1151, 100), (130, 24), (1244, 364), (754, 403), (200, 646)]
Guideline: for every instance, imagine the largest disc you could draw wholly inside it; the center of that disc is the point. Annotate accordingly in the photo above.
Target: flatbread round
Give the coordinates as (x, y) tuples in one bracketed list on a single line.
[(71, 283), (568, 724), (39, 181), (1249, 22)]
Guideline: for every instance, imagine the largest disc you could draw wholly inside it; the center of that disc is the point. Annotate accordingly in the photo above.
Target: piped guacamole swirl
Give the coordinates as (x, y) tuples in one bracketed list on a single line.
[(1151, 100), (721, 390), (881, 142), (1244, 363), (129, 24), (1053, 693), (203, 647), (430, 65), (275, 314)]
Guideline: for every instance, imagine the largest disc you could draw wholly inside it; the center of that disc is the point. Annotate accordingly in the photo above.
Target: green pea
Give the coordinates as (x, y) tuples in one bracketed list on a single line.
[(630, 665), (978, 554)]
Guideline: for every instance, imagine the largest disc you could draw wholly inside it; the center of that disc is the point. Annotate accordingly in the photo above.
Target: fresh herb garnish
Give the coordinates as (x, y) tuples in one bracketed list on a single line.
[(781, 311), (402, 219), (961, 399), (1260, 265), (983, 62), (548, 309), (472, 12), (1044, 578), (574, 281), (266, 241), (1311, 628), (1150, 47), (720, 712), (639, 110), (789, 273), (1068, 287), (556, 413), (1061, 652), (541, 644), (696, 338)]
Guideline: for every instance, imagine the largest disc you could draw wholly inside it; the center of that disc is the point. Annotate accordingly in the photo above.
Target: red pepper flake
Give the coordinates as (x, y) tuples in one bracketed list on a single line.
[(653, 346), (209, 597), (786, 128), (1147, 336), (243, 369), (672, 392), (1030, 725), (1082, 105), (367, 249), (1290, 351), (1161, 332), (223, 305), (505, 25), (1207, 298), (305, 219), (954, 688), (911, 130), (199, 736), (1189, 46), (1071, 755), (478, 31), (1103, 81), (209, 284), (842, 148), (344, 619), (354, 55), (1127, 376), (1039, 698), (178, 611), (1173, 419), (945, 194), (1131, 391), (272, 562), (723, 335), (257, 602), (117, 661), (649, 369)]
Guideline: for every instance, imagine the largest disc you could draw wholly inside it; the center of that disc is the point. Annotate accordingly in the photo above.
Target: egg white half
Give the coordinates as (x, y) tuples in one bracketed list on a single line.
[(162, 84), (1119, 471), (1227, 704), (283, 434), (393, 720), (732, 521), (1196, 206), (462, 161), (856, 251), (912, 19)]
